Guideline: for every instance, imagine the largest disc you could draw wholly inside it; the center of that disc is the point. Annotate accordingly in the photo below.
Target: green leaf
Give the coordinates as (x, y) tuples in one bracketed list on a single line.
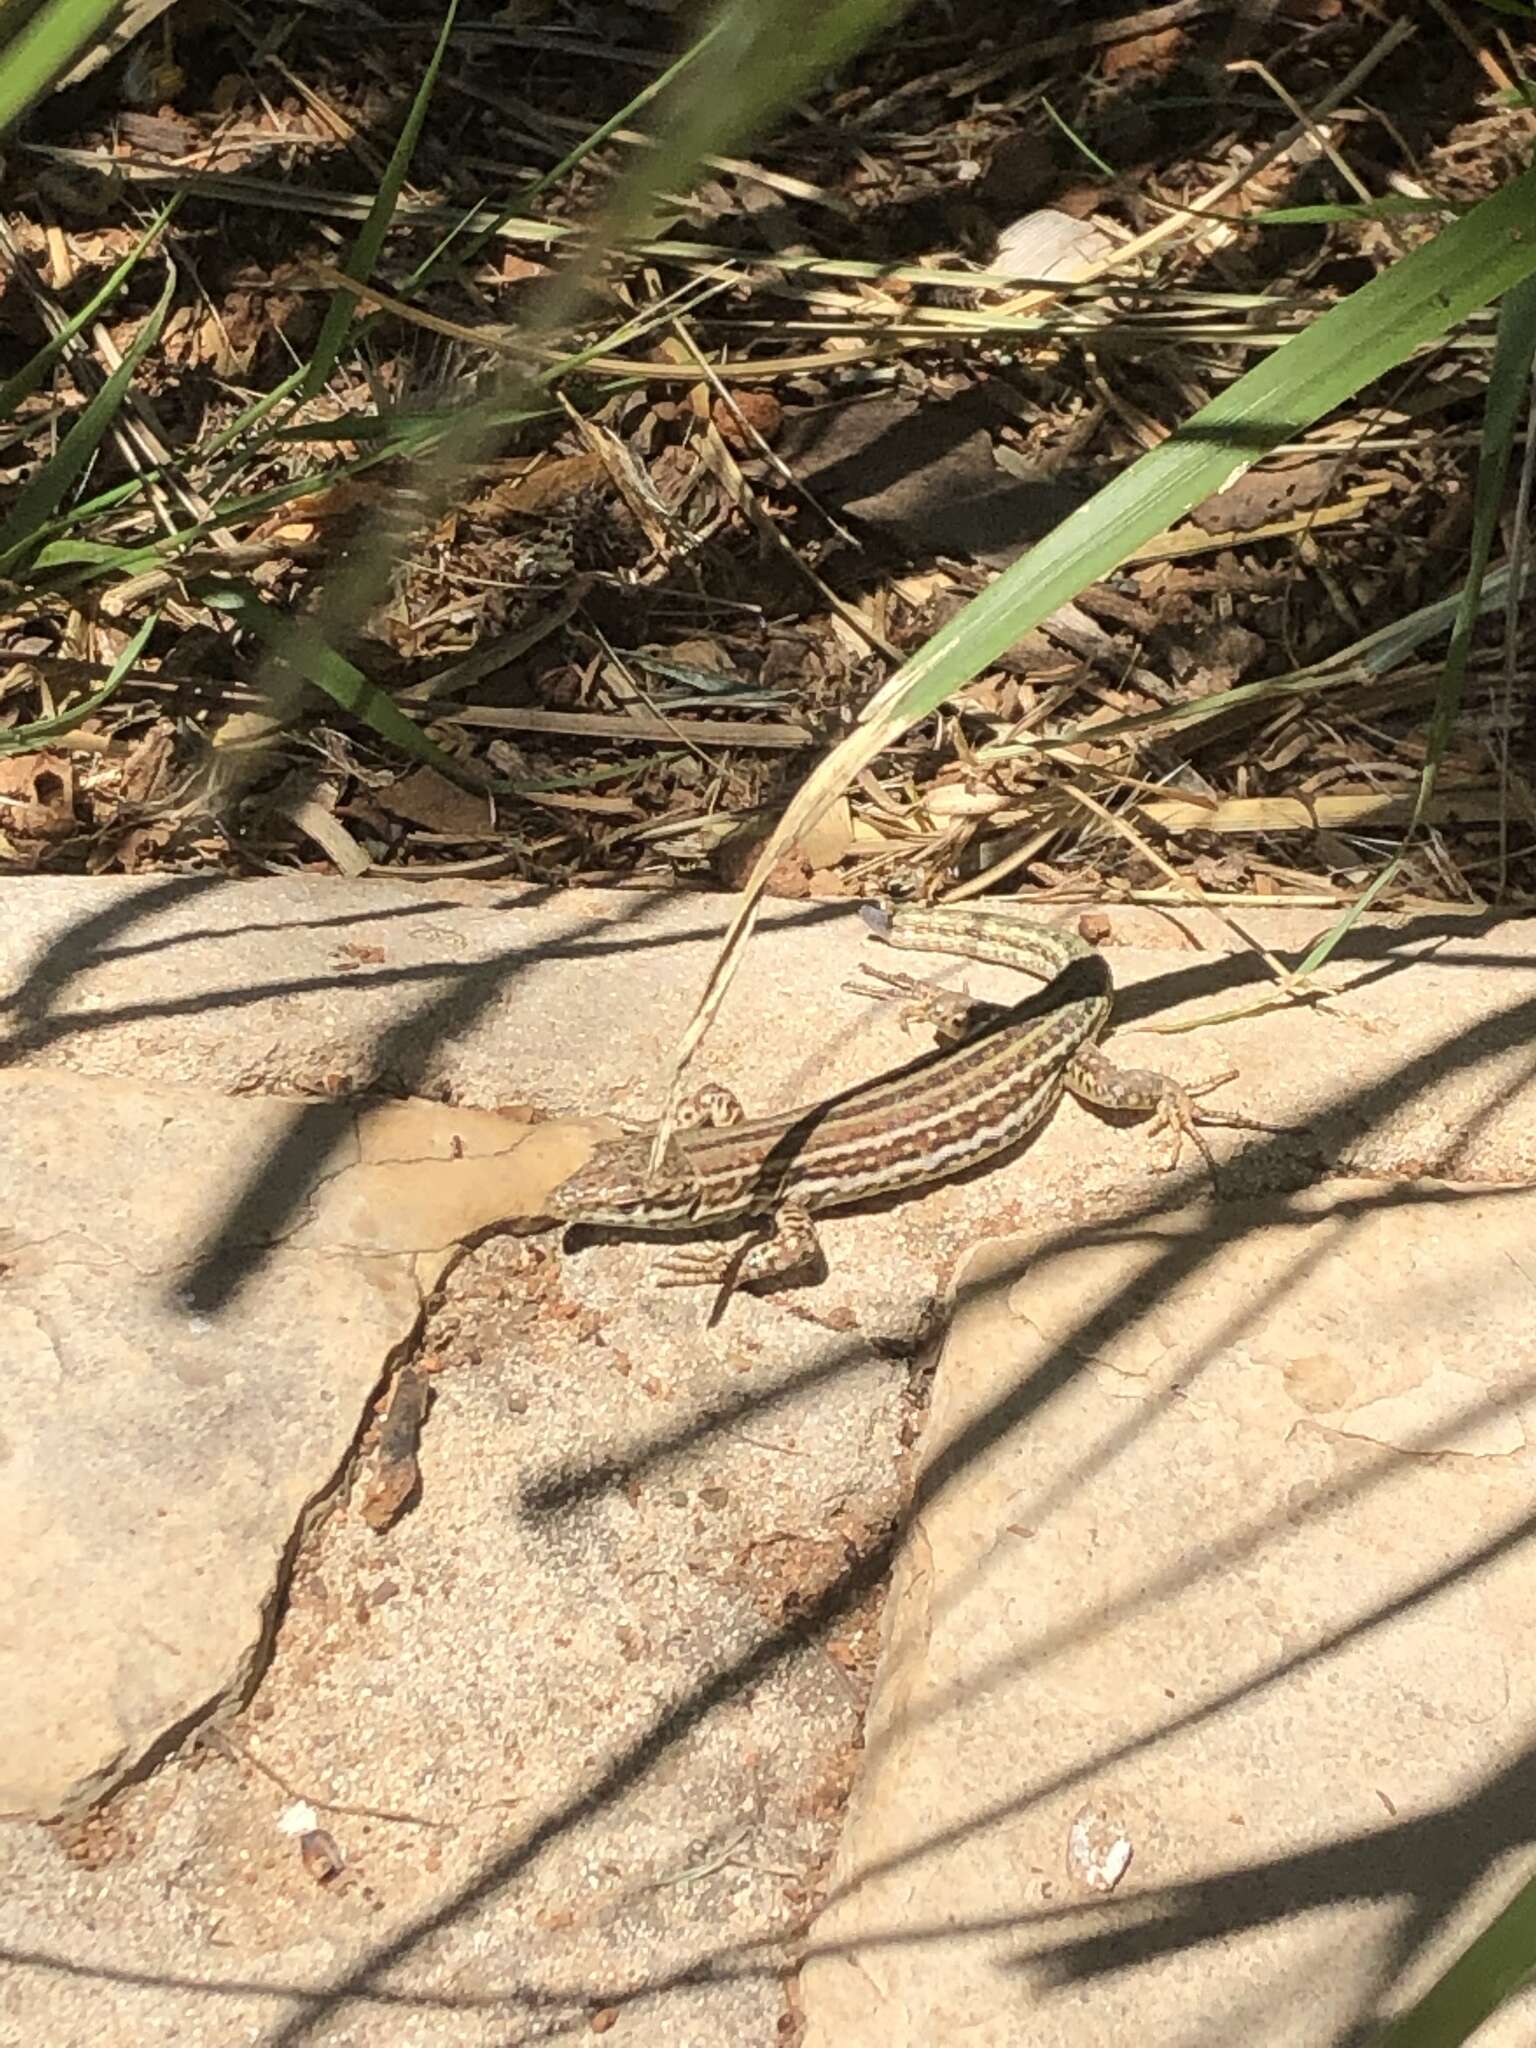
[(1494, 1967), (1474, 260), (44, 50), (1508, 384), (93, 554)]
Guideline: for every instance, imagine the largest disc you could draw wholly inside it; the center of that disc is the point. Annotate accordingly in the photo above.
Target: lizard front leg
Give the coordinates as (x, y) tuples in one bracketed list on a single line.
[(791, 1245), (709, 1108), (953, 1014)]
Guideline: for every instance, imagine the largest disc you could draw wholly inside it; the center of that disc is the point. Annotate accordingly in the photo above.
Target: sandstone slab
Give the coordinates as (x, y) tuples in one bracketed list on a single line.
[(1206, 1706), (580, 1724), (496, 996), (159, 1456)]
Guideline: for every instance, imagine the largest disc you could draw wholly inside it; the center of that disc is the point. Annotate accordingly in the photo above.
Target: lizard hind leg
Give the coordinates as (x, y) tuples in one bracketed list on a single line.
[(1140, 1090)]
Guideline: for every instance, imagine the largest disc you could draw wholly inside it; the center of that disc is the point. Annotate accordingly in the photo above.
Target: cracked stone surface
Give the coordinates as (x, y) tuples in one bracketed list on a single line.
[(580, 1725), (161, 1444), (502, 996), (1223, 1558)]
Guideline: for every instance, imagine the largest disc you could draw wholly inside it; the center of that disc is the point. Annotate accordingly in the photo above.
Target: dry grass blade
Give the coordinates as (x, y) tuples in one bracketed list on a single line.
[(506, 342), (23, 739), (35, 370), (1345, 811), (694, 732), (1470, 263)]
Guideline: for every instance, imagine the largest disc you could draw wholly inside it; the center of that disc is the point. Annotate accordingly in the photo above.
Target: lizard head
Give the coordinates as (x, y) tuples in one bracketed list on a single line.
[(615, 1187)]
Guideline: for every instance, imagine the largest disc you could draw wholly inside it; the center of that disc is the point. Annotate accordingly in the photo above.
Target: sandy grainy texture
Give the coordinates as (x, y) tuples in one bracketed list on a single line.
[(575, 1731), (1221, 1573)]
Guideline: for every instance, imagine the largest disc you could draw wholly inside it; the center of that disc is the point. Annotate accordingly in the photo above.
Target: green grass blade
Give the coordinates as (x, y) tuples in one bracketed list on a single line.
[(90, 554), (1338, 932), (1390, 206), (42, 494), (44, 50), (1374, 656), (58, 556), (1508, 383), (253, 415), (23, 739), (370, 236), (1089, 155), (1497, 1963)]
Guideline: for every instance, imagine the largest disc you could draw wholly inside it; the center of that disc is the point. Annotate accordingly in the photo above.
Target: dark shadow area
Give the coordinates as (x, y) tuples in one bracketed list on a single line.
[(1425, 1866), (868, 1571), (41, 1028), (1420, 1867), (64, 959), (425, 906)]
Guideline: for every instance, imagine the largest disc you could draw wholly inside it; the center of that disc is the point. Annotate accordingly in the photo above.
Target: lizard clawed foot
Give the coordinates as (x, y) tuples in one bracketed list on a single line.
[(709, 1108), (791, 1245), (1177, 1115), (950, 1013), (692, 1265), (1176, 1118), (1193, 1090), (1138, 1090)]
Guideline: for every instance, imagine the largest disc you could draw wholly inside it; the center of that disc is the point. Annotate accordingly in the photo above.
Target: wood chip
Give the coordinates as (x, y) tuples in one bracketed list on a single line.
[(396, 1474), (426, 798)]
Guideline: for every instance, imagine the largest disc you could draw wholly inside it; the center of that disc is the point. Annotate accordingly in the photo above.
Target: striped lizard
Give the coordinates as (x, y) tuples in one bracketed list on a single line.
[(998, 1073)]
